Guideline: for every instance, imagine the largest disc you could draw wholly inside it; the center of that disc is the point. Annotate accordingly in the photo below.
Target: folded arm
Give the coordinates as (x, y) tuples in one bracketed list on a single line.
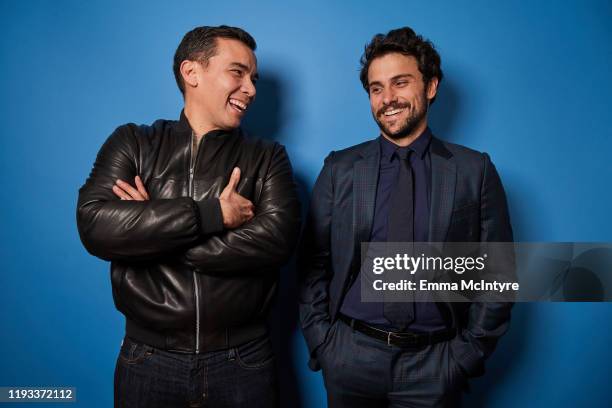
[(116, 229), (268, 239)]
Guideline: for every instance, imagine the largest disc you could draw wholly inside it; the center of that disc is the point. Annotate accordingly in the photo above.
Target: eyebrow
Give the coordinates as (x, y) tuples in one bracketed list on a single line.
[(395, 78), (244, 67)]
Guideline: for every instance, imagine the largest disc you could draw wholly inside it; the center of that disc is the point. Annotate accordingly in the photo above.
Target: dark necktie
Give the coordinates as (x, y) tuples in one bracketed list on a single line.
[(401, 229)]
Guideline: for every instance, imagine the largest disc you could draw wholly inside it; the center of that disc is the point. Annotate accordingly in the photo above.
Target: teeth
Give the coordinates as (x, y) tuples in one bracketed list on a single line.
[(393, 112), (238, 104)]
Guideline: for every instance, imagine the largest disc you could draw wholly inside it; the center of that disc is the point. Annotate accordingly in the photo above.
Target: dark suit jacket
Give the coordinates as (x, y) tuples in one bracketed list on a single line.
[(468, 204)]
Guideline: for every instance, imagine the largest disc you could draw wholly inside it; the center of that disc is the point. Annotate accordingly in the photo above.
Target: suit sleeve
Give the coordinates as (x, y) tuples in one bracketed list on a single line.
[(315, 271), (268, 239), (487, 321), (114, 229)]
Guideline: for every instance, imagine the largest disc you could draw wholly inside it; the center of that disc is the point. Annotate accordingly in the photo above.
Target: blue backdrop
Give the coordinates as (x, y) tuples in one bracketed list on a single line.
[(528, 83)]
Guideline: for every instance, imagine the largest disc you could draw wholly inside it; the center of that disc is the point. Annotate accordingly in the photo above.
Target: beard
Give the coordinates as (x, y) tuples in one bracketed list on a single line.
[(410, 123)]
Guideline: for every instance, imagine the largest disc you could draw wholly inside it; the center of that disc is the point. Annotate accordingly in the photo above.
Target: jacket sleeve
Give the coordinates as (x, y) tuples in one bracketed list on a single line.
[(487, 321), (268, 239), (113, 229), (315, 271)]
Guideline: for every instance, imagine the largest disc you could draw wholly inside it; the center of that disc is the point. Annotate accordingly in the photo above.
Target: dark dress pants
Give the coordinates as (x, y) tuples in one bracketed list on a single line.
[(360, 371)]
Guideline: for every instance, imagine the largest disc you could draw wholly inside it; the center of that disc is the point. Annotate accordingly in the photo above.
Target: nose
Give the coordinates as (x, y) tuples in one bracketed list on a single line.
[(388, 96), (248, 87)]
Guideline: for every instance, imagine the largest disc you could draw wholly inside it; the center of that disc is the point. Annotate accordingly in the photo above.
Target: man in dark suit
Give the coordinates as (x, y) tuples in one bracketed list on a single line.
[(404, 186)]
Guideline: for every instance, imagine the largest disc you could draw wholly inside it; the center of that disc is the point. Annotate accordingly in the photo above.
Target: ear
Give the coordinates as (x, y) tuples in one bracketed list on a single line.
[(189, 73), (432, 88)]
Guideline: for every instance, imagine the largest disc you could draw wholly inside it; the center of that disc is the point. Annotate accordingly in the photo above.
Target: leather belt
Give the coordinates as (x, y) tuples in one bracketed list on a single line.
[(411, 340)]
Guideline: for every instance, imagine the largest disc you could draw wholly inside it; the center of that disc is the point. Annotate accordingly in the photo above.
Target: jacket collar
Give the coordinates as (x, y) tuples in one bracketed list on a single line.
[(437, 147), (183, 126)]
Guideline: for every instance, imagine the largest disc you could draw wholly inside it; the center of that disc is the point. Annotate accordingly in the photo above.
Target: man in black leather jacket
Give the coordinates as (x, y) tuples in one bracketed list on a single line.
[(196, 219)]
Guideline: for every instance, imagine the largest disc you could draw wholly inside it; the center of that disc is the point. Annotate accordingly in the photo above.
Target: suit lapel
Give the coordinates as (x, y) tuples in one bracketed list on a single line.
[(443, 182), (365, 182)]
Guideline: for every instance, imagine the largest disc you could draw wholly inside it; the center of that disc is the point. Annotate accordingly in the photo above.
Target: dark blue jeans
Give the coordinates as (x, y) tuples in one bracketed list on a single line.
[(244, 376), (360, 371)]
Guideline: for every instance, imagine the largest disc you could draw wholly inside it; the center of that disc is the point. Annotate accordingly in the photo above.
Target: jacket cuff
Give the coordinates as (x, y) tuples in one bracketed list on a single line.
[(211, 218)]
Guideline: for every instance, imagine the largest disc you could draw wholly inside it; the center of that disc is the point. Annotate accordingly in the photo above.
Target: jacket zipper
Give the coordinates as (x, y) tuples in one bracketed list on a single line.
[(192, 161)]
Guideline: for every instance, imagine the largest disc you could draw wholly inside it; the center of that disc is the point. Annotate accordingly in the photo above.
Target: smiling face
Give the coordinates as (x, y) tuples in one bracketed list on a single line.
[(399, 98), (222, 88)]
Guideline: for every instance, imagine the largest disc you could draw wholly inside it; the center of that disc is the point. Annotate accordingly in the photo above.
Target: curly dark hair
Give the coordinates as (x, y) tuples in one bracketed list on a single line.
[(200, 44), (404, 41)]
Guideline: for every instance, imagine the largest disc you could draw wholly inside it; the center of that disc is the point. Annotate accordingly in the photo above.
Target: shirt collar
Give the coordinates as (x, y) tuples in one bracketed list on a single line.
[(420, 145)]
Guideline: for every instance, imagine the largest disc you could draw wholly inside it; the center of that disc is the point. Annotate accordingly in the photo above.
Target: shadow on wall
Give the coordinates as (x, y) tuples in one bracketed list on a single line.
[(266, 119), (284, 321), (505, 360), (445, 113), (510, 351)]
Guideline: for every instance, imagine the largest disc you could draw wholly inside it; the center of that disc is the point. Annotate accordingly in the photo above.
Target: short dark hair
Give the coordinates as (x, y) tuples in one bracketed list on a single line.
[(404, 41), (200, 44)]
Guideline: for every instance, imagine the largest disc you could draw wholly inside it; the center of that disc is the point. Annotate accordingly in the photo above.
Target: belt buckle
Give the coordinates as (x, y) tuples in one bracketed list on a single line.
[(410, 337)]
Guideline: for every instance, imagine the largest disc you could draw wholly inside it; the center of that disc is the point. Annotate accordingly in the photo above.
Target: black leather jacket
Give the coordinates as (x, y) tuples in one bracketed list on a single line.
[(182, 281)]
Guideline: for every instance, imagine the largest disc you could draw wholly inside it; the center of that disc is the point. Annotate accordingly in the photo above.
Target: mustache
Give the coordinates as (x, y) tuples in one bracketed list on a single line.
[(391, 106)]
